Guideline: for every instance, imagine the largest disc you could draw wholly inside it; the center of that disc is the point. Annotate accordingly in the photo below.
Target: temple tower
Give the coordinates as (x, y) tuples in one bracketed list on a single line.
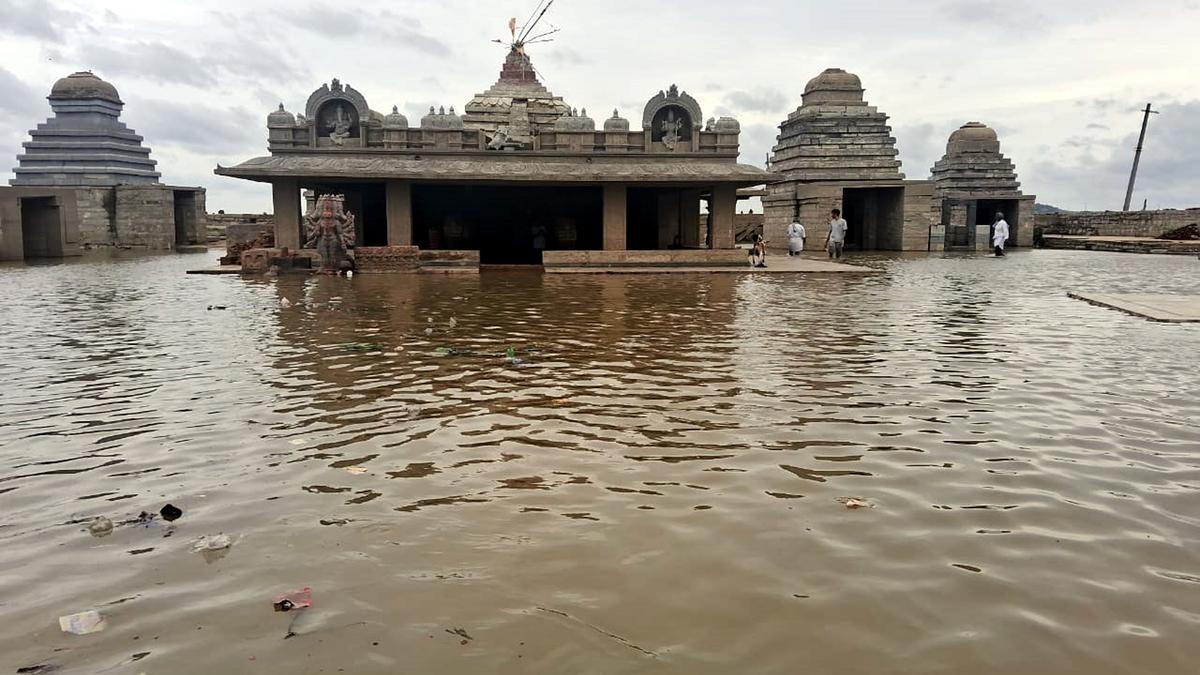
[(973, 182), (835, 135), (836, 151), (84, 143), (517, 101)]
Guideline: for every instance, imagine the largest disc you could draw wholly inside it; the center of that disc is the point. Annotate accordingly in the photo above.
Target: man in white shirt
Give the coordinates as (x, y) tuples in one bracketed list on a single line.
[(836, 240), (796, 236), (999, 234)]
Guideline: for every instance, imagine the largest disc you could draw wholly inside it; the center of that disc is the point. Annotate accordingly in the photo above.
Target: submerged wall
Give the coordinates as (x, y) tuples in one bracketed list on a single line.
[(1117, 223)]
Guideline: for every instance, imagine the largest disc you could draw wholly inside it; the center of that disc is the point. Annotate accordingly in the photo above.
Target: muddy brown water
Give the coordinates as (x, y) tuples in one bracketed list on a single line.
[(653, 487)]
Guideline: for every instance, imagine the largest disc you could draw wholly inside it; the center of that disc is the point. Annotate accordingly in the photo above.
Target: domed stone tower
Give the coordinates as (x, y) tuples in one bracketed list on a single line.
[(837, 152), (835, 135), (973, 182), (973, 164), (85, 143)]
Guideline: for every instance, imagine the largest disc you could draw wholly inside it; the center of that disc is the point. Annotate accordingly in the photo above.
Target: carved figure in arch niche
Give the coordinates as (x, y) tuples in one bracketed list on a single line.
[(330, 230), (672, 125), (339, 127)]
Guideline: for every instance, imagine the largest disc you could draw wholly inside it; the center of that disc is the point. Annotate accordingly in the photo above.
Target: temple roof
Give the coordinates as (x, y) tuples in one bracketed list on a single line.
[(84, 85), (509, 167), (518, 82)]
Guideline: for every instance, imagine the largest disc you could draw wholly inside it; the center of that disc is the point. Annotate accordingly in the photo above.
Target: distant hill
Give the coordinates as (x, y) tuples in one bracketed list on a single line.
[(1046, 208)]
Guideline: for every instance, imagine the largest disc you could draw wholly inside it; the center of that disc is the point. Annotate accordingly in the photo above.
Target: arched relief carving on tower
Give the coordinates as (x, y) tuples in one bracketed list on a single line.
[(672, 97), (325, 117)]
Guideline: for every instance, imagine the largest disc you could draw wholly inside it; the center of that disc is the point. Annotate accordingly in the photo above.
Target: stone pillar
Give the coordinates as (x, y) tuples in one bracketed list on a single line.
[(614, 217), (668, 218), (723, 204), (399, 213), (983, 237), (689, 216), (286, 195)]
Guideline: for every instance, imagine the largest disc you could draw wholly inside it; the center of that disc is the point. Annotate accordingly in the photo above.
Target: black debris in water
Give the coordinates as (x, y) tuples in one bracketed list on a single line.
[(170, 512)]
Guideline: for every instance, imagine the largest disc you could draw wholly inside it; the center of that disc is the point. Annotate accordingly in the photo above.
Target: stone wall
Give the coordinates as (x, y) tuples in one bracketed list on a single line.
[(97, 207), (218, 222), (145, 216), (1117, 223)]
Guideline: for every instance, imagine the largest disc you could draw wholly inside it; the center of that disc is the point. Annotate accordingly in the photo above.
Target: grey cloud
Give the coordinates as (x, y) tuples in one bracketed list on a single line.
[(565, 56), (158, 62), (756, 142), (38, 19), (197, 128), (356, 23), (19, 100), (1097, 127), (153, 61), (765, 100), (1168, 174), (921, 145)]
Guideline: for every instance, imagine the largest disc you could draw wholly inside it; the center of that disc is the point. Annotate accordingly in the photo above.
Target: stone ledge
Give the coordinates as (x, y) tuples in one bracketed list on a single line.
[(656, 258)]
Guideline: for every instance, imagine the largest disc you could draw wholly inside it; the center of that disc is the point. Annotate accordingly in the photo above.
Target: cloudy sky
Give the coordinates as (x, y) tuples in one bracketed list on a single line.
[(1061, 80)]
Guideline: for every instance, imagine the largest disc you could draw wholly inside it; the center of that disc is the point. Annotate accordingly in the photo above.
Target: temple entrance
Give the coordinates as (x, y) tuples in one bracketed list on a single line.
[(874, 218), (368, 203), (186, 231), (41, 229), (663, 218), (985, 214), (509, 224)]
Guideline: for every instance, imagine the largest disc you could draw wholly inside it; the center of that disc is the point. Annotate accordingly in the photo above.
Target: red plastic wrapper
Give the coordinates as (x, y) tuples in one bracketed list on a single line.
[(293, 600)]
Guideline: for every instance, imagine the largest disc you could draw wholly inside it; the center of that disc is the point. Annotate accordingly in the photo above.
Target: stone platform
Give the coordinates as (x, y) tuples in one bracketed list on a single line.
[(1153, 306), (1121, 244), (675, 262)]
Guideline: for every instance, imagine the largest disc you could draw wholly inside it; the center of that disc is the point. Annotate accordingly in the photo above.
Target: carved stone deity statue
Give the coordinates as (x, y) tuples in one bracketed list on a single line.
[(502, 139), (340, 127), (499, 138), (671, 128), (330, 230)]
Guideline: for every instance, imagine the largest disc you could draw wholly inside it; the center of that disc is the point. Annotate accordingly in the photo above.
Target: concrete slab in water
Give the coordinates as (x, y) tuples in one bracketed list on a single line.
[(1156, 307)]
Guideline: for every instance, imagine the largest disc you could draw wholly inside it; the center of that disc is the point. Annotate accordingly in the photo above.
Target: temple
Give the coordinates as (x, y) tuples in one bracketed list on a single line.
[(837, 151), (519, 177), (85, 179), (973, 182)]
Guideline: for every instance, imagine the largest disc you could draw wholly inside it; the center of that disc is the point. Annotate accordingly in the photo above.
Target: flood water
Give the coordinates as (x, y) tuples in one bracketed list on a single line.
[(650, 484)]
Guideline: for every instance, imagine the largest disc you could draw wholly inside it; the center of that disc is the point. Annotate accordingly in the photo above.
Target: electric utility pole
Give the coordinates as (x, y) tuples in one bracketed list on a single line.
[(1137, 155)]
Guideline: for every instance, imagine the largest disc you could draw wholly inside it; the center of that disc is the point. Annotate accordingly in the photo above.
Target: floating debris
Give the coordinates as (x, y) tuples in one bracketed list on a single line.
[(100, 527), (298, 599), (212, 307), (82, 623), (212, 542), (855, 503), (357, 469), (285, 303), (363, 347), (446, 351), (170, 512)]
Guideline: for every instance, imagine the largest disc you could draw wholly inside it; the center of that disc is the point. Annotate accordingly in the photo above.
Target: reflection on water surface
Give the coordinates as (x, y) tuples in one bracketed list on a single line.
[(603, 474)]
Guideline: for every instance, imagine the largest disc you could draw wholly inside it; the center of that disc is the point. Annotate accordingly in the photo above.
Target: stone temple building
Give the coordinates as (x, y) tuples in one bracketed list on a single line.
[(85, 179), (973, 182), (519, 177), (837, 151)]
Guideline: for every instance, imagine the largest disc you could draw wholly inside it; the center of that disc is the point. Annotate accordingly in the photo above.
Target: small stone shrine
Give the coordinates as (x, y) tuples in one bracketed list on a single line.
[(837, 151), (85, 179), (973, 182)]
